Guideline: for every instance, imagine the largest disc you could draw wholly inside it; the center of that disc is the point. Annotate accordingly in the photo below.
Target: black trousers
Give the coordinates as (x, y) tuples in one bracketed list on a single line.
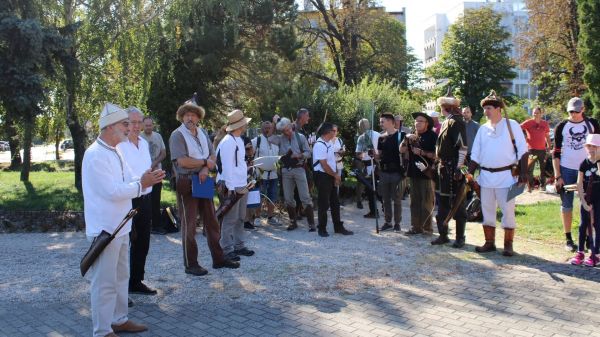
[(155, 206), (139, 238), (327, 197)]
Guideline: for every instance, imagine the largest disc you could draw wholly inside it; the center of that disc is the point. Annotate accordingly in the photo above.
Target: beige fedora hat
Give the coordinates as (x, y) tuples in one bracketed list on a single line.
[(236, 120)]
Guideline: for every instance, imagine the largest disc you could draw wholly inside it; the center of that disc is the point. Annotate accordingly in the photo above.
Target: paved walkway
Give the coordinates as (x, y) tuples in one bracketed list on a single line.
[(302, 285)]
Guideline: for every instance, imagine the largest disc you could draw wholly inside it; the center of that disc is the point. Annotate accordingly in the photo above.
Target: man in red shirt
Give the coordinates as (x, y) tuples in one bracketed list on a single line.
[(537, 132)]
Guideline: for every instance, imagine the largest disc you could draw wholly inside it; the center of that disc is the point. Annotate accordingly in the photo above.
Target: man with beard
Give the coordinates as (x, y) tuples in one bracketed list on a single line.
[(107, 200), (192, 153), (294, 152), (451, 149)]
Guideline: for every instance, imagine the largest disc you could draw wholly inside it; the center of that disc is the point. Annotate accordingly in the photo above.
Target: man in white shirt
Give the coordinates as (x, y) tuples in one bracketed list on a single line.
[(158, 153), (136, 157), (269, 183), (233, 171), (107, 194), (327, 179), (366, 142), (494, 153)]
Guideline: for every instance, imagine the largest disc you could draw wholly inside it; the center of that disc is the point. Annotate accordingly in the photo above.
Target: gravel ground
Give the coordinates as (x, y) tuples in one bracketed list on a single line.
[(288, 266)]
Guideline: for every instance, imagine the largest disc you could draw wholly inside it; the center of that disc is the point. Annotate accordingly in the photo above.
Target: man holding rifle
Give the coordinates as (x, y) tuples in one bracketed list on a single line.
[(107, 199)]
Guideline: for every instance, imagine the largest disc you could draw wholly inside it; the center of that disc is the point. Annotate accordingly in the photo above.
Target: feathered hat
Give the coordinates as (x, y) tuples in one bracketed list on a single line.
[(493, 99), (449, 99)]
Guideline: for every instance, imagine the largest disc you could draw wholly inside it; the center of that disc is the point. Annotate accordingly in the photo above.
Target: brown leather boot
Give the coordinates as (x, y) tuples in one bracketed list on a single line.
[(292, 214), (509, 234), (490, 240), (310, 218)]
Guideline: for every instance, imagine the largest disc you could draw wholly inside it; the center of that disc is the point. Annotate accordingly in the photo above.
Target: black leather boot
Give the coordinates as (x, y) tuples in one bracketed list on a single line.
[(443, 230), (310, 218), (460, 234), (292, 214)]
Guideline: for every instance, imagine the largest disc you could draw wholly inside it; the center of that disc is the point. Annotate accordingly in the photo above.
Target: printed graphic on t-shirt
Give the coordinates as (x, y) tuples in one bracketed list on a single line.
[(576, 136)]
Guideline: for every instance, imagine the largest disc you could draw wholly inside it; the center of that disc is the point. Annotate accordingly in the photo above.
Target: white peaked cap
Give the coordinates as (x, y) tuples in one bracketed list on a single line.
[(111, 114)]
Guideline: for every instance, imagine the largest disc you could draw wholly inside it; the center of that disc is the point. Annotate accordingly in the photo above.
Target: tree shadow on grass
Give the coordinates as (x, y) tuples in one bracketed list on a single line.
[(44, 198)]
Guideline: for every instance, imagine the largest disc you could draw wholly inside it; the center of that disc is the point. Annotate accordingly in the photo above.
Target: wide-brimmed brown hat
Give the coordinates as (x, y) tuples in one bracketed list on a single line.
[(449, 99), (427, 117), (236, 120), (493, 99)]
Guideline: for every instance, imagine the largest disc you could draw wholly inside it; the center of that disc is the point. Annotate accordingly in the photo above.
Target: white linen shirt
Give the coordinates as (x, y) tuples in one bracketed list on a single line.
[(492, 148), (266, 149), (323, 150), (136, 160), (234, 174), (106, 193)]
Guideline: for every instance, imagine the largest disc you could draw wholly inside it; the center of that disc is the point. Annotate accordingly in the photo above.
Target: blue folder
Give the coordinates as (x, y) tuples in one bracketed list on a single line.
[(204, 190)]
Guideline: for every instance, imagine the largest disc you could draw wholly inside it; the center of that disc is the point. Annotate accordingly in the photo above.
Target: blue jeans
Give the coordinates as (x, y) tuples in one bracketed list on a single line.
[(269, 187), (569, 176)]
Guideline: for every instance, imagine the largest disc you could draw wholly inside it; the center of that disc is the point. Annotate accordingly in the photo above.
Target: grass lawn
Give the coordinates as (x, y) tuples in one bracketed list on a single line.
[(542, 222), (55, 191), (50, 191)]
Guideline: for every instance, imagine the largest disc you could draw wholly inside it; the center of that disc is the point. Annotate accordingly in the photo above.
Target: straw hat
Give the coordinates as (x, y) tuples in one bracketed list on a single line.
[(236, 120)]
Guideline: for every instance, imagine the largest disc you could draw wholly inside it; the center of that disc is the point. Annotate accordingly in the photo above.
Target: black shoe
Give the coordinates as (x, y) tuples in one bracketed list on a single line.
[(571, 246), (292, 226), (344, 231), (197, 271), (248, 225), (227, 264), (129, 302), (323, 233), (142, 289), (370, 215), (232, 256), (397, 227), (459, 243), (386, 226), (442, 239), (244, 251), (359, 205), (173, 229), (312, 229), (413, 232)]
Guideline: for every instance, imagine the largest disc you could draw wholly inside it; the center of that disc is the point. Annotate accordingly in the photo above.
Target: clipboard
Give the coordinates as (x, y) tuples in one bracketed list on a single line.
[(253, 198), (204, 190)]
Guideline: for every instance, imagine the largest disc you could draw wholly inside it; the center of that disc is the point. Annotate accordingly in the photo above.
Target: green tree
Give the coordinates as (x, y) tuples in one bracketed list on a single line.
[(475, 57), (589, 48), (27, 50)]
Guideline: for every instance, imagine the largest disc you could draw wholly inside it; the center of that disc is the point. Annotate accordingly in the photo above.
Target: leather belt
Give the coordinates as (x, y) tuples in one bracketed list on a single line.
[(497, 169)]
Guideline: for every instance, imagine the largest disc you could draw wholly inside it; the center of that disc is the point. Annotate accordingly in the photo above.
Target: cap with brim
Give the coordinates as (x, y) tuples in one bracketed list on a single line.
[(575, 104), (493, 99), (593, 139), (111, 114), (422, 114), (236, 120)]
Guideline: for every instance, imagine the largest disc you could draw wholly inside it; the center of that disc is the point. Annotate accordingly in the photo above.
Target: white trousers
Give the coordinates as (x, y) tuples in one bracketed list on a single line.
[(109, 277), (491, 199)]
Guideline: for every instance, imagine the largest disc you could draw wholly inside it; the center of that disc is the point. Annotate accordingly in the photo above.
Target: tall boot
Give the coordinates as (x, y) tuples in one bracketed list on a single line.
[(490, 240), (509, 234), (460, 234), (443, 230), (292, 214), (310, 218)]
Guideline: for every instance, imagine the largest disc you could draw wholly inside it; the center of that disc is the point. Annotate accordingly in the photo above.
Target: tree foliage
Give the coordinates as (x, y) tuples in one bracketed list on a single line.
[(475, 57), (548, 45), (358, 39), (589, 48)]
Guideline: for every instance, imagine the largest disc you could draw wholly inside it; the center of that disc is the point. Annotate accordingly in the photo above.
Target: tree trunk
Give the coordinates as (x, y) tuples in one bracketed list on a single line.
[(77, 130), (27, 138), (14, 144), (57, 143)]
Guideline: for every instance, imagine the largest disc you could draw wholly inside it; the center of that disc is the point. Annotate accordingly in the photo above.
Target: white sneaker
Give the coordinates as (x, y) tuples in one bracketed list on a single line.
[(257, 222)]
